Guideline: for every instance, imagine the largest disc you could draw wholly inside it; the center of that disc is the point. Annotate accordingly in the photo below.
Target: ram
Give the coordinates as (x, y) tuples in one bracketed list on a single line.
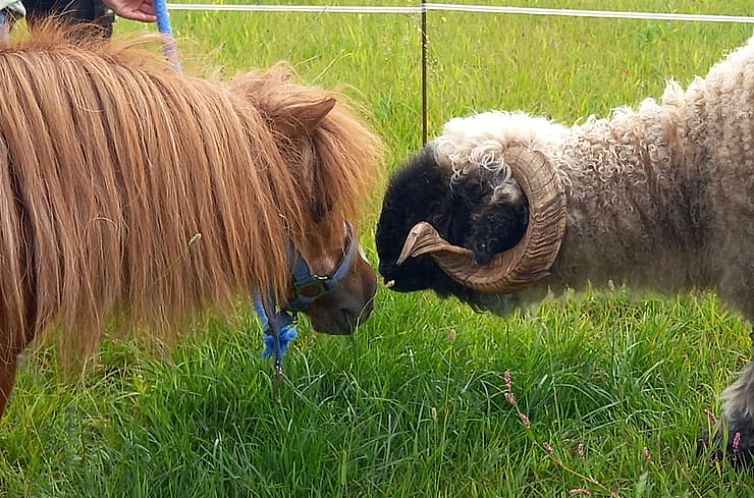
[(503, 207)]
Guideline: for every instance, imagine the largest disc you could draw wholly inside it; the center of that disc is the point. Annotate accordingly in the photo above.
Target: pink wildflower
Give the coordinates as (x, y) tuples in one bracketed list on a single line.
[(509, 397), (452, 335), (580, 492), (736, 442), (525, 420)]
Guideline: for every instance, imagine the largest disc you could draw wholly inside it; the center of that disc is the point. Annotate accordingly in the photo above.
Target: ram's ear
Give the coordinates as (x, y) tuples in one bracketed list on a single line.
[(301, 118)]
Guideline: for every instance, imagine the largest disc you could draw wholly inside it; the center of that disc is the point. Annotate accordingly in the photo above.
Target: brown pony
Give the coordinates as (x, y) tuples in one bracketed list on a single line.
[(130, 191)]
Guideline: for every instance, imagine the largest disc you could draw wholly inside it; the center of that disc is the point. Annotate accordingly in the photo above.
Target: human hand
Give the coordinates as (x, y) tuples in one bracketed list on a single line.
[(137, 10)]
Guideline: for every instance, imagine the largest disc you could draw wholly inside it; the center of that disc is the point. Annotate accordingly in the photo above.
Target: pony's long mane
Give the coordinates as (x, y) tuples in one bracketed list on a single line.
[(128, 188)]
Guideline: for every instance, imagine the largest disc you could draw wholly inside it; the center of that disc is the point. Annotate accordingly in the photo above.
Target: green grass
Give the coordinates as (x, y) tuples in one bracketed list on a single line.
[(414, 405)]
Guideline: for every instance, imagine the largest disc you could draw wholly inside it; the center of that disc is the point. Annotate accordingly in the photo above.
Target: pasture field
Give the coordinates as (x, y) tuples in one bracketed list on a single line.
[(414, 404)]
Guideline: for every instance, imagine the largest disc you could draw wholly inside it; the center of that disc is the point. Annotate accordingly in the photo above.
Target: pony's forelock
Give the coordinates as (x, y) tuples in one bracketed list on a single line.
[(339, 179)]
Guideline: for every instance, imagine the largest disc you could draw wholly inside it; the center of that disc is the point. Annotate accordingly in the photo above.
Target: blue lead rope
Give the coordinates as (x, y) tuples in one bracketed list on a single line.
[(163, 25)]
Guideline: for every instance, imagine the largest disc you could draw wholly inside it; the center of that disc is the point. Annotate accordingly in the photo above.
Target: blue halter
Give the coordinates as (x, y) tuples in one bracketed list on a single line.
[(307, 288)]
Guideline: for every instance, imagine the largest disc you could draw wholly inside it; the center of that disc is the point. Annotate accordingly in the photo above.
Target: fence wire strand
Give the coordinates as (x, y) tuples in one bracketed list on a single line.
[(426, 7), (451, 7)]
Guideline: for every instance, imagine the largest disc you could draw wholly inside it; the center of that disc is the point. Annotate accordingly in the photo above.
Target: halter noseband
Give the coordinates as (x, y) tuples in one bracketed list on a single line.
[(308, 287), (279, 325)]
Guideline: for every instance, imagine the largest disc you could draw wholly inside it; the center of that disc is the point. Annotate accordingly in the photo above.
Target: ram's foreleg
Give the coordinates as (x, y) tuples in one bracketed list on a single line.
[(738, 419), (10, 353), (734, 435)]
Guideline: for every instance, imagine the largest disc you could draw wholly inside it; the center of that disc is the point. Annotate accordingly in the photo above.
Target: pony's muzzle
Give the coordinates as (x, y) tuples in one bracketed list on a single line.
[(350, 305)]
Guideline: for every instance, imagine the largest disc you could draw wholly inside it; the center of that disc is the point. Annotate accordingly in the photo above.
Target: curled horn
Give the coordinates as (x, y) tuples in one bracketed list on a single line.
[(521, 265)]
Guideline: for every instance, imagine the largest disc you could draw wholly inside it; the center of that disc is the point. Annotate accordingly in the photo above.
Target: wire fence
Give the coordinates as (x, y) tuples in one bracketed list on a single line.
[(426, 7), (449, 7)]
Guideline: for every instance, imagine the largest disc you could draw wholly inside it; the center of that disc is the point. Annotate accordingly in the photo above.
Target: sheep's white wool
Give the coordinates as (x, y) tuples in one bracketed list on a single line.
[(481, 139), (474, 145), (507, 193)]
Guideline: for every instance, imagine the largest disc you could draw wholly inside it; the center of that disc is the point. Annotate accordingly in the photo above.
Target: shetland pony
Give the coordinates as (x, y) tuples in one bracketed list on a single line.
[(128, 190)]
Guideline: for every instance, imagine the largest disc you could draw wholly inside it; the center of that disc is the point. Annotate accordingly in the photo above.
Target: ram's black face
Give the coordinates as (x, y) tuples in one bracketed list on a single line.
[(496, 228), (419, 191)]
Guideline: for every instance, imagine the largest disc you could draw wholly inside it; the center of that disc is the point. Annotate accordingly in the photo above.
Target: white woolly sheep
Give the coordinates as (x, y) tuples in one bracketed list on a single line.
[(659, 198)]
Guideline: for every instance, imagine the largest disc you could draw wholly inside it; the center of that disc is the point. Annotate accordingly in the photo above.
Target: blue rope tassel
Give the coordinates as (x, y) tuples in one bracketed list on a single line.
[(287, 332), (163, 25)]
